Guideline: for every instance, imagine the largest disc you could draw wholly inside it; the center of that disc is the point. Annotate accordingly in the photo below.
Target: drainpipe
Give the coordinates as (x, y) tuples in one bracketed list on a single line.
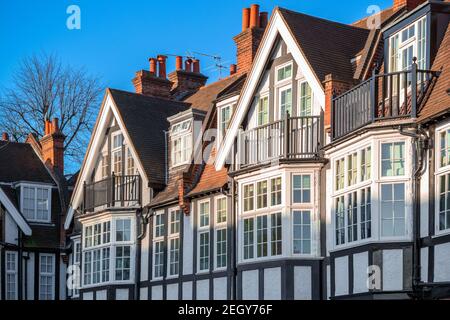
[(143, 222), (420, 144), (26, 259), (234, 238), (20, 265)]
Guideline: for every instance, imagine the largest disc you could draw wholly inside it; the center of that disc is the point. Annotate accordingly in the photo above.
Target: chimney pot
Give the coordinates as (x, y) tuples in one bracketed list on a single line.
[(233, 69), (5, 136), (188, 65), (152, 66), (162, 66), (48, 127), (263, 19), (254, 16), (245, 18), (196, 66), (179, 63), (55, 125)]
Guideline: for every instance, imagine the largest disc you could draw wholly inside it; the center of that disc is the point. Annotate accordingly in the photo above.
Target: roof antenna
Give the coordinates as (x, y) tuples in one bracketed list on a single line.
[(217, 61)]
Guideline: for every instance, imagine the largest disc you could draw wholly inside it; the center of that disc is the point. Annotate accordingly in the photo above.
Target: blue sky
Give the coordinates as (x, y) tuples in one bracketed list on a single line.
[(118, 37)]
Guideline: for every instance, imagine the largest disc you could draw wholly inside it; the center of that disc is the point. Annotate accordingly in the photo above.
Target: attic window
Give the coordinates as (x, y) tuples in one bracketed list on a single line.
[(181, 127), (181, 143), (36, 203)]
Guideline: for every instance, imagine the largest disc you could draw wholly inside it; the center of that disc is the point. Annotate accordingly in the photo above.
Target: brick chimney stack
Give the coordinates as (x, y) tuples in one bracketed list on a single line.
[(247, 42), (53, 146), (408, 4), (153, 82), (186, 81), (333, 86)]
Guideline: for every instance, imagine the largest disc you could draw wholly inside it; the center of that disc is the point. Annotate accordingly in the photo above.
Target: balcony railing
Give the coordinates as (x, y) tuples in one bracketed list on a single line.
[(112, 192), (382, 97), (293, 138)]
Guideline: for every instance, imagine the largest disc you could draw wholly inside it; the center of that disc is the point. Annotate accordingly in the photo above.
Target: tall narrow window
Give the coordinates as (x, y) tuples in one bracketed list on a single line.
[(352, 169), (174, 241), (366, 164), (393, 210), (261, 194), (105, 165), (305, 100), (445, 148), (444, 202), (225, 117), (276, 241), (158, 256), (302, 232), (117, 154), (393, 159), (301, 189), (263, 111), (249, 240), (249, 197), (422, 44), (204, 214), (261, 237), (285, 102), (175, 219), (275, 191), (339, 174), (11, 276), (352, 217), (130, 163), (221, 212), (204, 251), (221, 233), (46, 277), (123, 263), (340, 220), (366, 213), (394, 53)]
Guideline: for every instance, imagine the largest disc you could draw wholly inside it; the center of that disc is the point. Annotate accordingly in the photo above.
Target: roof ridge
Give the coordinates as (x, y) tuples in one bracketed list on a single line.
[(147, 97)]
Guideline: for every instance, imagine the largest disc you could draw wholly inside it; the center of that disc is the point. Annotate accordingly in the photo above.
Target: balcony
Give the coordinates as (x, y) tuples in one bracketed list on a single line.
[(112, 192), (292, 139), (382, 97)]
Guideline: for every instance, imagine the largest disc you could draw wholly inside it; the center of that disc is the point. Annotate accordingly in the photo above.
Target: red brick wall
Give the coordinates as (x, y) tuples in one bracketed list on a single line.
[(332, 86), (247, 43)]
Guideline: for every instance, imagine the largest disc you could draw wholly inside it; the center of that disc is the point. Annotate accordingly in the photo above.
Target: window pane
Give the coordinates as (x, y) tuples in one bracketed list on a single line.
[(248, 238), (302, 232)]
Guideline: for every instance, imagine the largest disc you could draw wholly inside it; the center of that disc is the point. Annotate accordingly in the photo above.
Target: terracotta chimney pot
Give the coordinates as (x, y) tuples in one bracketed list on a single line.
[(245, 18), (152, 66), (179, 63), (254, 16)]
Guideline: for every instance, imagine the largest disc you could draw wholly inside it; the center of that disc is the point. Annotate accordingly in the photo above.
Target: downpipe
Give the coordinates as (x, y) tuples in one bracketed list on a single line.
[(143, 222), (420, 144)]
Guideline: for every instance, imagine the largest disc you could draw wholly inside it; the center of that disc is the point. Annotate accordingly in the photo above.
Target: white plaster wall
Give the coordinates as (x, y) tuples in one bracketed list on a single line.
[(220, 288), (442, 262), (302, 283), (250, 285), (341, 276), (392, 270), (172, 292), (88, 296), (424, 264), (122, 294), (145, 254), (203, 290), (360, 275), (187, 290), (157, 293), (143, 295), (101, 295), (272, 284), (188, 244), (11, 229)]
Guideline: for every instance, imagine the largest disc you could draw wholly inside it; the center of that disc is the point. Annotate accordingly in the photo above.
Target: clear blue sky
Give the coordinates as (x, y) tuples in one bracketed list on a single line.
[(118, 37)]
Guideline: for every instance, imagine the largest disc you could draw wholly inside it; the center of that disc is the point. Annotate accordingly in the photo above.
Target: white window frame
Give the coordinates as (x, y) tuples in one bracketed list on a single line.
[(112, 245), (220, 226), (262, 97), (158, 239), (76, 263), (301, 96), (279, 94), (13, 273), (49, 201), (173, 236), (201, 230), (222, 122), (50, 275), (441, 170), (185, 138), (311, 226), (380, 159), (284, 66)]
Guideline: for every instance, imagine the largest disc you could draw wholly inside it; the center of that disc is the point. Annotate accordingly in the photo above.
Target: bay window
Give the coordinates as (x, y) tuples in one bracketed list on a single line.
[(301, 189), (36, 203), (203, 236), (181, 146), (393, 159), (46, 276), (108, 251), (301, 232), (393, 210), (221, 233)]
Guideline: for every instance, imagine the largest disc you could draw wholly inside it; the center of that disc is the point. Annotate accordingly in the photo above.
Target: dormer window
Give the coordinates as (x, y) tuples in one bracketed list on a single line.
[(36, 203), (225, 117), (181, 137)]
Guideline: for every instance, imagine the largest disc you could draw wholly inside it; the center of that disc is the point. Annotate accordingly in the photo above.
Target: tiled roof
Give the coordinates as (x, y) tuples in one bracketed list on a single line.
[(439, 99), (170, 192), (328, 46), (19, 162), (145, 119), (205, 96), (384, 16)]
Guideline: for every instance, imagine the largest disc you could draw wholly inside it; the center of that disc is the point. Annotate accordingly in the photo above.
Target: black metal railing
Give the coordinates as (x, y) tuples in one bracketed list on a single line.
[(383, 96), (292, 138), (114, 191)]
